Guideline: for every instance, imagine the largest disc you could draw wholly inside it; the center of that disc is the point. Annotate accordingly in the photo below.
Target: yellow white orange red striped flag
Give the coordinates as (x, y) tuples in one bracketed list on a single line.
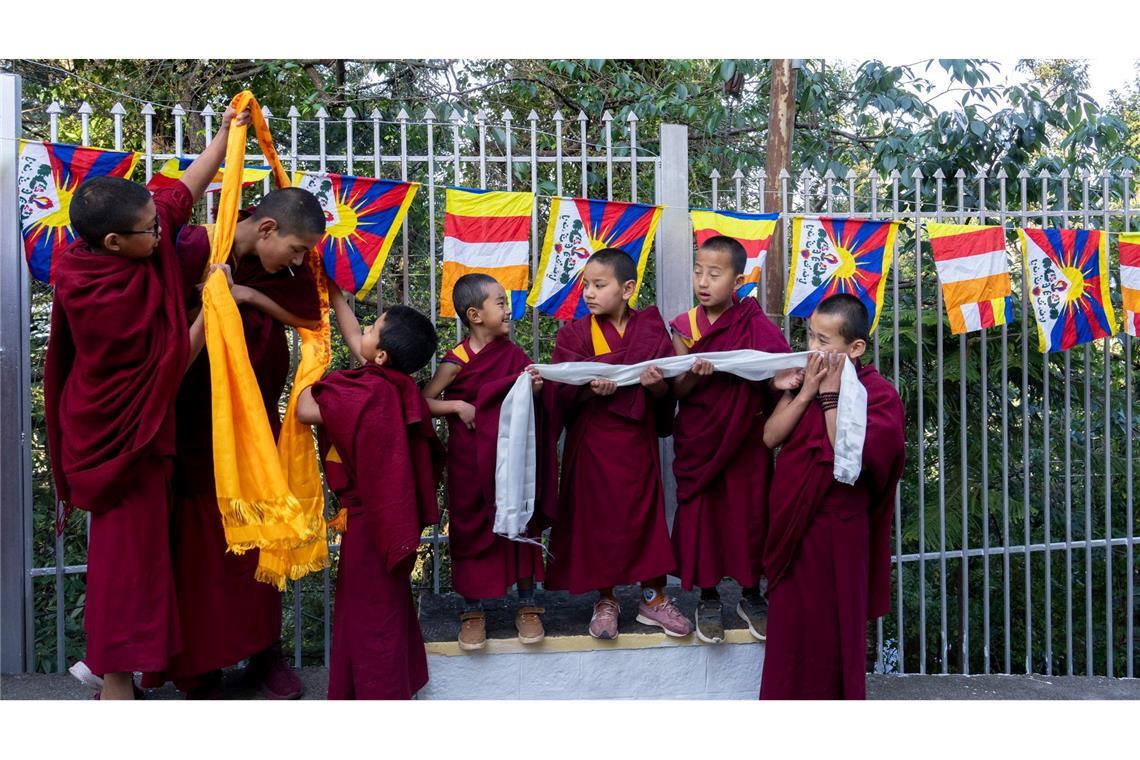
[(1130, 281), (486, 232), (974, 271)]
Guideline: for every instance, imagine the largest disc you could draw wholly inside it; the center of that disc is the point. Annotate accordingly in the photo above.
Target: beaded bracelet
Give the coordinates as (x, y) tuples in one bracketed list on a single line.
[(828, 400)]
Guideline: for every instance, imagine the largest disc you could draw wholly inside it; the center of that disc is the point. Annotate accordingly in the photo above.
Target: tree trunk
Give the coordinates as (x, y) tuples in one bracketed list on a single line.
[(781, 120)]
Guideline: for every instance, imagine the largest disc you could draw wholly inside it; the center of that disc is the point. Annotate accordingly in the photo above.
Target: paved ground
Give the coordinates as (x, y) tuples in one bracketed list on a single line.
[(55, 686)]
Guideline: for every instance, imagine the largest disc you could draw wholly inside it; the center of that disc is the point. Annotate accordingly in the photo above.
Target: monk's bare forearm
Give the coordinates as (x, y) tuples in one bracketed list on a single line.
[(308, 410), (199, 174), (830, 416), (347, 322), (784, 419), (197, 340), (264, 303), (441, 408), (684, 383)]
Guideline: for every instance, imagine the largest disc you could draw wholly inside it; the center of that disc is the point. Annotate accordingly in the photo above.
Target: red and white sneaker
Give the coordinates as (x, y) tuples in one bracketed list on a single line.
[(665, 615), (604, 623)]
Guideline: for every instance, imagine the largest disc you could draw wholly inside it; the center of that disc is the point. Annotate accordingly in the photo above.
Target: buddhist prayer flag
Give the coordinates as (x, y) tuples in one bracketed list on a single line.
[(974, 270), (1066, 272), (1130, 281), (577, 228), (173, 169), (833, 255), (362, 217), (49, 174), (487, 232), (753, 231)]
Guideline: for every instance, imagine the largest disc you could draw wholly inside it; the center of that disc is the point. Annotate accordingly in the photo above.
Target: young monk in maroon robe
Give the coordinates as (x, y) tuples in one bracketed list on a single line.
[(118, 349), (475, 376), (828, 554), (610, 524), (722, 466), (226, 614), (383, 461)]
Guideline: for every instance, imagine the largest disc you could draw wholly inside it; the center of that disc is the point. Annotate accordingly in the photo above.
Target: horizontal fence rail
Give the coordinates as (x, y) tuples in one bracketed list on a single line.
[(1014, 522)]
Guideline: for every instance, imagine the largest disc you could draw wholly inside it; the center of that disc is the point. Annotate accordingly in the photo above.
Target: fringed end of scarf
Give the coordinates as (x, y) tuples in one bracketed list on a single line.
[(264, 524), (275, 567)]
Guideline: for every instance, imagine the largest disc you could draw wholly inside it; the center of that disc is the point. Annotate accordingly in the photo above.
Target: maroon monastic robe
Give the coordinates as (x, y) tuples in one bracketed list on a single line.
[(383, 461), (828, 553), (226, 615), (722, 466), (610, 527), (116, 354), (483, 565)]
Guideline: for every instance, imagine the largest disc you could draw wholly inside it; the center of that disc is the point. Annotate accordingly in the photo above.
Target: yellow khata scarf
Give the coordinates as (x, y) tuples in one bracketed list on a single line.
[(271, 498)]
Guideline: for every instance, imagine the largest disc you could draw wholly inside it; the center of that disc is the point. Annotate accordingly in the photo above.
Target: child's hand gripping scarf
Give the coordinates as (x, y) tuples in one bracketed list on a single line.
[(270, 496), (516, 462)]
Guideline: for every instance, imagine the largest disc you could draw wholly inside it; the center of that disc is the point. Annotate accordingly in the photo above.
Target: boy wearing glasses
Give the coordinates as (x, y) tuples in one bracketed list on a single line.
[(118, 349)]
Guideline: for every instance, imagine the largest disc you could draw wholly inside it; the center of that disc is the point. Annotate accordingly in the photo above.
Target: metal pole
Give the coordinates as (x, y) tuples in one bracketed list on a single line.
[(17, 642), (532, 117), (674, 258), (1004, 458), (900, 631), (1023, 179), (1129, 516), (944, 652), (60, 546), (1047, 466), (921, 468), (963, 416), (985, 459)]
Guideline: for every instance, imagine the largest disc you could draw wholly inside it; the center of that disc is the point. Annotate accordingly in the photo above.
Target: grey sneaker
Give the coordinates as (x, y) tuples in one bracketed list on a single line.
[(710, 629), (754, 612)]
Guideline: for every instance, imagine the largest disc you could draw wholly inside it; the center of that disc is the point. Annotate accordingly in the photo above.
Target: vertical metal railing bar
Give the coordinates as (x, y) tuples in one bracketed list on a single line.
[(762, 179), (582, 122), (785, 241), (873, 210), (456, 120), (1006, 621), (921, 464), (714, 180), (632, 119), (607, 121), (1129, 409), (1088, 500), (326, 590), (294, 116), (1047, 466), (1068, 463), (1023, 179), (900, 631), (805, 195), (944, 651), (1108, 470), (985, 460), (53, 111), (533, 118), (405, 297), (963, 462)]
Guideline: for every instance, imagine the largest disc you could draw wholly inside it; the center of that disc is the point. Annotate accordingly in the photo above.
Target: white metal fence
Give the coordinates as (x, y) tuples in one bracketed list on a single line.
[(983, 542)]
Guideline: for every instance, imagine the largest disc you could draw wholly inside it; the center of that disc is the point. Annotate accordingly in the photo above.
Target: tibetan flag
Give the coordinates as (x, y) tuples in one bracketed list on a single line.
[(838, 255), (974, 270), (753, 231), (1066, 272), (1130, 281), (176, 167), (49, 174), (362, 217), (487, 232), (576, 229)]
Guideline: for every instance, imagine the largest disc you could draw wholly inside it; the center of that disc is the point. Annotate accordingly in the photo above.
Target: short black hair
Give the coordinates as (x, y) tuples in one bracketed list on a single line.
[(620, 263), (855, 321), (409, 338), (470, 290), (102, 205), (296, 211), (731, 246)]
